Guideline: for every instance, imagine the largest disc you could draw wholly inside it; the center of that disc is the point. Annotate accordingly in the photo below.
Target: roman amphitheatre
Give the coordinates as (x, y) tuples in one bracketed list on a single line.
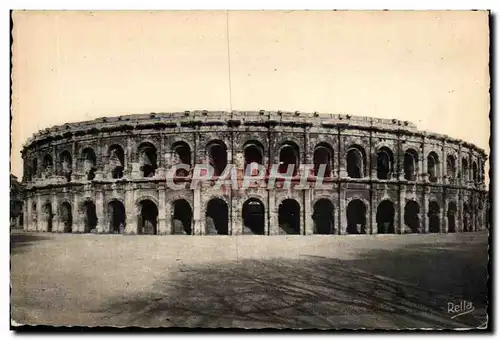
[(384, 176)]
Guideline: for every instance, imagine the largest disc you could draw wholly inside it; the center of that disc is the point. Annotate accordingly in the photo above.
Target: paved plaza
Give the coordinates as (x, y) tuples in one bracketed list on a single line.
[(365, 281)]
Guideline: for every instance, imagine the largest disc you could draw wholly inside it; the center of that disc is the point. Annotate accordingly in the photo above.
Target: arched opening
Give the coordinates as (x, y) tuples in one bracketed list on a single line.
[(148, 217), (385, 163), (385, 217), (182, 218), (289, 156), (412, 220), (323, 155), (450, 168), (48, 164), (356, 160), (410, 165), (356, 217), (434, 221), (253, 153), (467, 217), (89, 163), (217, 217), (117, 217), (34, 168), (452, 211), (433, 166), (181, 153), (324, 217), (116, 161), (289, 216), (253, 217), (474, 172), (148, 159), (66, 165), (89, 216), (48, 215), (217, 155), (465, 170), (66, 217)]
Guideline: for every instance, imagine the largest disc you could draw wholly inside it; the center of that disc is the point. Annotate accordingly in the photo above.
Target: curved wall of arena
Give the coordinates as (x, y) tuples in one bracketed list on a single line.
[(381, 176)]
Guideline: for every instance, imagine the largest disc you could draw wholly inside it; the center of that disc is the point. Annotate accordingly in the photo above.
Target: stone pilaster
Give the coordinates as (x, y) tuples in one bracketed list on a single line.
[(371, 221), (198, 218), (399, 220), (131, 211), (102, 225), (308, 220), (425, 210), (272, 225), (164, 213), (57, 226), (342, 210), (444, 217)]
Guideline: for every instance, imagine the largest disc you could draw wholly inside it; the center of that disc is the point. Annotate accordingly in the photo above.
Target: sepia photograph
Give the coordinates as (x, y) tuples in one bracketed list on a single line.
[(250, 169)]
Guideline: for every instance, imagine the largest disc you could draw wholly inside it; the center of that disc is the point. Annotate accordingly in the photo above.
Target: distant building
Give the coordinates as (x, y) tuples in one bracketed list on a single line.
[(16, 203)]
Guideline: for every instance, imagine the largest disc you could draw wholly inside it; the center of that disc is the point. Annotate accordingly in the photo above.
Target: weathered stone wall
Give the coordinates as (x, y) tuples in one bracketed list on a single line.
[(48, 188)]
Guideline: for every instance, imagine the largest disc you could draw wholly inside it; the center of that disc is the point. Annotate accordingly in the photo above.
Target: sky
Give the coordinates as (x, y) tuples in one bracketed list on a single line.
[(428, 67)]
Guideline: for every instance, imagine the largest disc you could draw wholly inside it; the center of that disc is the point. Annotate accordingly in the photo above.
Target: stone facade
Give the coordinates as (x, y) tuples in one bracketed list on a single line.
[(382, 176)]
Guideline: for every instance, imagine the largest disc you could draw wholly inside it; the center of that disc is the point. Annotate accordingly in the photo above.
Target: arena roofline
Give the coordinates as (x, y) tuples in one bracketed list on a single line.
[(234, 118)]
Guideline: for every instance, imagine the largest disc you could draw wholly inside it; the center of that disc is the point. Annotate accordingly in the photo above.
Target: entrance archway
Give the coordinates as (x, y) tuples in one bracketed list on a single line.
[(412, 220), (385, 217), (254, 220), (182, 218), (66, 217), (434, 223), (148, 217), (217, 217), (356, 217), (117, 217), (452, 210), (89, 217), (289, 216), (324, 217)]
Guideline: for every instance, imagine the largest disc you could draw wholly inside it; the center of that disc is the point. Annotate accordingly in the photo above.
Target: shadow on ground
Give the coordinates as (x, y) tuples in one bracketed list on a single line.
[(20, 242), (406, 288)]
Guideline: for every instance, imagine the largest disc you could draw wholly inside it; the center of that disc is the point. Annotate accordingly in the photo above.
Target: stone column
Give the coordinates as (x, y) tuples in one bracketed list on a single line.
[(199, 225), (164, 213), (341, 157), (425, 210), (131, 211), (308, 224), (39, 215), (423, 164), (371, 225), (342, 210), (444, 215), (102, 225), (400, 213), (272, 225), (75, 228), (460, 212), (236, 225), (56, 222), (26, 204)]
